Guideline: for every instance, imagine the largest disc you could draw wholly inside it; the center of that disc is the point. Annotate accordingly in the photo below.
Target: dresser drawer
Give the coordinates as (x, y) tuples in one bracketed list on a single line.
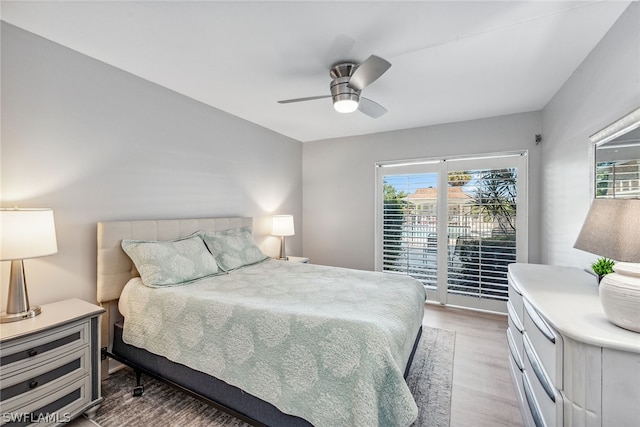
[(514, 332), (30, 351), (546, 341), (547, 398), (516, 375), (532, 416), (43, 379), (514, 342), (516, 300), (56, 407), (515, 320)]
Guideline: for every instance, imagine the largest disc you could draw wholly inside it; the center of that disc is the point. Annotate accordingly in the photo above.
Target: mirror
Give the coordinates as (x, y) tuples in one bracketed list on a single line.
[(615, 159)]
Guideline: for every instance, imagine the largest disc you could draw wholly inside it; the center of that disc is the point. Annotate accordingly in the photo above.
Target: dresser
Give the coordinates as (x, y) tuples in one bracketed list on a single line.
[(49, 365), (570, 366)]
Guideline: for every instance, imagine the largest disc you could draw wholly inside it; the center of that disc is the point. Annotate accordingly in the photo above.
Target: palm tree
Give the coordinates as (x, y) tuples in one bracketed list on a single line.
[(458, 179), (495, 198)]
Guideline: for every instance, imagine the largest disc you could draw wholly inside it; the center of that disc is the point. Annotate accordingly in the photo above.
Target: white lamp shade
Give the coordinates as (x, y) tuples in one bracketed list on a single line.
[(27, 233), (282, 225)]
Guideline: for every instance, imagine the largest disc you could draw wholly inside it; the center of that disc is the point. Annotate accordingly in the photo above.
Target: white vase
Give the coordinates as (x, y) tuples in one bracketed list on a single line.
[(620, 295)]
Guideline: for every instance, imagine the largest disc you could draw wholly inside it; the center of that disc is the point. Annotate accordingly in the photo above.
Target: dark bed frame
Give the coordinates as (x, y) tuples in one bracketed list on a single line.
[(211, 390)]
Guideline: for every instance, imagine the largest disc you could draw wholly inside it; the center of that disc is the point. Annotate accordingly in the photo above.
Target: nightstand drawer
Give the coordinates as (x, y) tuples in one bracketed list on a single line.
[(41, 380), (30, 351), (53, 408)]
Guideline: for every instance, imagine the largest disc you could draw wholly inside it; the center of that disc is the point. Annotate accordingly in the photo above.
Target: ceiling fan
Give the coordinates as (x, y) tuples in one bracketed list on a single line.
[(348, 80)]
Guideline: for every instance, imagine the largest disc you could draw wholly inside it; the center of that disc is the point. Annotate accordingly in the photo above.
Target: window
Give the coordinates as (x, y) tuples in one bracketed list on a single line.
[(617, 167), (457, 242)]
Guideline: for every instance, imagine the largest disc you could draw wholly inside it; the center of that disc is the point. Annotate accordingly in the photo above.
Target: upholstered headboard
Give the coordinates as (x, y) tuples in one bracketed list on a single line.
[(115, 268)]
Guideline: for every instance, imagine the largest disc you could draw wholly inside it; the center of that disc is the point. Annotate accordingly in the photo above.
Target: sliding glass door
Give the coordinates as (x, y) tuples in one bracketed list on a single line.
[(409, 230), (454, 224)]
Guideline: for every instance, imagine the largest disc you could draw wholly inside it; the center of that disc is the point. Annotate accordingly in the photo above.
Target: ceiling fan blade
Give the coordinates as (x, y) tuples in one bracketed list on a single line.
[(368, 72), (308, 98), (371, 108)]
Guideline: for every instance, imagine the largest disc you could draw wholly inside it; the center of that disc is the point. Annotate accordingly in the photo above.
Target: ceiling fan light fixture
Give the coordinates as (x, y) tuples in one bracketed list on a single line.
[(345, 99), (345, 105)]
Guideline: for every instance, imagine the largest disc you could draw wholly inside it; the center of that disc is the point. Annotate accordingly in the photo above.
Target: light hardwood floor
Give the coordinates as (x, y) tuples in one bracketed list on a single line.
[(482, 393)]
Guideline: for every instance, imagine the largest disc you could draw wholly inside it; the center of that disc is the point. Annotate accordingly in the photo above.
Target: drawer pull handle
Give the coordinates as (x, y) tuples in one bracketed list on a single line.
[(33, 384), (512, 349), (514, 317), (32, 352), (533, 407), (540, 323), (538, 370)]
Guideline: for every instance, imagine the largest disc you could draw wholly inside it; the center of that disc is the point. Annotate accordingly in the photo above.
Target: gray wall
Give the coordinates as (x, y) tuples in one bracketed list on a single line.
[(339, 180), (96, 143), (605, 87)]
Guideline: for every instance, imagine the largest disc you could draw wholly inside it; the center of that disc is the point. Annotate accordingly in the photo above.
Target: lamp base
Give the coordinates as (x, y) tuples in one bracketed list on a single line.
[(16, 317), (283, 250), (620, 296)]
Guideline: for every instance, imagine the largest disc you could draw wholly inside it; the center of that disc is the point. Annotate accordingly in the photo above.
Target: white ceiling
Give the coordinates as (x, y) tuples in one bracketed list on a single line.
[(452, 61)]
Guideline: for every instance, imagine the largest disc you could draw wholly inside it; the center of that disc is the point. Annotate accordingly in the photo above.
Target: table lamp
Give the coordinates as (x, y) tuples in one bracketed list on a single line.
[(612, 230), (282, 226), (25, 233)]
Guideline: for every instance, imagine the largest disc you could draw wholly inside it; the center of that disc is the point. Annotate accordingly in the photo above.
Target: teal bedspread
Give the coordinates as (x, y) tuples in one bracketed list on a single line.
[(326, 344)]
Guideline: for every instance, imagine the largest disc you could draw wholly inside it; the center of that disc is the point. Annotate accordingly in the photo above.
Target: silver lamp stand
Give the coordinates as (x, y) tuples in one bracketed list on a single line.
[(18, 299), (283, 249)]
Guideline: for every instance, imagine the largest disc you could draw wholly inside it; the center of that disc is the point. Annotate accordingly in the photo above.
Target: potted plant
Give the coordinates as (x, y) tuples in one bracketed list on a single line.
[(602, 267)]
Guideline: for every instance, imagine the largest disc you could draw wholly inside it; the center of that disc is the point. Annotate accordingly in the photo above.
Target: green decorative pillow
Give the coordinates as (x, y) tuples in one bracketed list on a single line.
[(171, 262), (233, 248)]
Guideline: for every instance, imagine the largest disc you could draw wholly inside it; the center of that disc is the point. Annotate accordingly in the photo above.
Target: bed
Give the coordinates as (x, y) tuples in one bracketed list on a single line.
[(272, 342)]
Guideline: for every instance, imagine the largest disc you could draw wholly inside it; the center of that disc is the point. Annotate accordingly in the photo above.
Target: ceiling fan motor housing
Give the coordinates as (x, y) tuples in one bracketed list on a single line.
[(340, 90)]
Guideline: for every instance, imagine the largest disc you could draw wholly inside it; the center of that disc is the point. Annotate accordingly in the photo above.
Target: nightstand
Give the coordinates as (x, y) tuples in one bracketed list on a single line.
[(49, 365), (299, 259)]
